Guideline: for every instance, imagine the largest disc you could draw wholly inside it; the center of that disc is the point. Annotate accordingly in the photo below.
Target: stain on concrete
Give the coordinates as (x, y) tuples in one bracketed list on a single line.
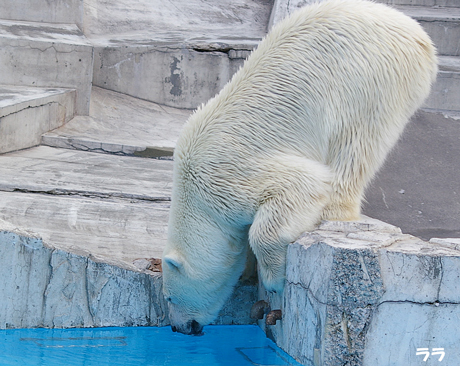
[(175, 78), (152, 152)]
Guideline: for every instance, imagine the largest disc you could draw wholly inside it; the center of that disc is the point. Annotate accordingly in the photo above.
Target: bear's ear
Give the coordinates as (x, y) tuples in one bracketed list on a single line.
[(173, 261)]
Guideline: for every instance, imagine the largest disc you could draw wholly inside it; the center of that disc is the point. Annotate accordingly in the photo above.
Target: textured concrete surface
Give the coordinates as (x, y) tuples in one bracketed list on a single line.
[(364, 294), (44, 286), (47, 55), (282, 8), (111, 231), (121, 125), (418, 188), (26, 113)]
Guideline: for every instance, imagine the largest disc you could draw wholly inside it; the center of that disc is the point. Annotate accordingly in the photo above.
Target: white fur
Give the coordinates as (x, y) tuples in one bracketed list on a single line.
[(293, 138)]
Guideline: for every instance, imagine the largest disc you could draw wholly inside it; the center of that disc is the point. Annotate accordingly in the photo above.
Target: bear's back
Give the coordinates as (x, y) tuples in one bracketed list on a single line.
[(331, 75)]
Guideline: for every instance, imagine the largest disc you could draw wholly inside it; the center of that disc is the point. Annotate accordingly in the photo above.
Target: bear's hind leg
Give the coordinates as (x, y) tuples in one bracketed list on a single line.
[(292, 202)]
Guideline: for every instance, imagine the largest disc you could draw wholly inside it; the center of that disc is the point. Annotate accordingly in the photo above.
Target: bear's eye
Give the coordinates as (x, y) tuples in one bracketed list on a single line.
[(171, 300)]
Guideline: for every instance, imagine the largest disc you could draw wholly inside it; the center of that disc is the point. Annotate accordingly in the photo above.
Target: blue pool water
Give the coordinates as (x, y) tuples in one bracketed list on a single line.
[(140, 346)]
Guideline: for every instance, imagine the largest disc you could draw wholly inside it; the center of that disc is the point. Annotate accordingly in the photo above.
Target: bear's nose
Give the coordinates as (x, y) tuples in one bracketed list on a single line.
[(196, 328), (174, 329)]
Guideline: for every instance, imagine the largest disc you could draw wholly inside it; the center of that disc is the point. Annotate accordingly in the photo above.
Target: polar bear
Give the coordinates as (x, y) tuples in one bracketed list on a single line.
[(292, 139)]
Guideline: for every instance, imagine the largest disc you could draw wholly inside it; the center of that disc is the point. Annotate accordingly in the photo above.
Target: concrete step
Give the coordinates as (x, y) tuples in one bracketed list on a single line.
[(26, 113), (48, 170), (167, 58), (113, 207), (165, 20), (442, 24), (445, 94), (62, 11), (110, 231), (123, 125), (47, 55)]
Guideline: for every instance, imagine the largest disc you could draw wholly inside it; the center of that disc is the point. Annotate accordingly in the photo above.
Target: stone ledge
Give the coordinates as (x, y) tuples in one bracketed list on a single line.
[(362, 293), (26, 113), (42, 286), (48, 287)]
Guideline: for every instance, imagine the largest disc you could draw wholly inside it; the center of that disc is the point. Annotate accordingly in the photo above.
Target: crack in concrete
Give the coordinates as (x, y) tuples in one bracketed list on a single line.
[(90, 194), (430, 303), (48, 283), (299, 284), (48, 104), (82, 145), (87, 293), (440, 280)]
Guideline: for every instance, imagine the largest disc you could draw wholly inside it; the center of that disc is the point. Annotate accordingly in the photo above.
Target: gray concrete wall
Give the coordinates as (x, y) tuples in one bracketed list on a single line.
[(176, 75)]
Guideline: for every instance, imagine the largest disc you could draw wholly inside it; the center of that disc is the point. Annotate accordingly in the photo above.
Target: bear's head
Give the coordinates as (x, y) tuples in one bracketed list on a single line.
[(202, 262)]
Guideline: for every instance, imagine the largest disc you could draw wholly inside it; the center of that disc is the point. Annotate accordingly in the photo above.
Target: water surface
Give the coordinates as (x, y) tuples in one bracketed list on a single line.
[(219, 346)]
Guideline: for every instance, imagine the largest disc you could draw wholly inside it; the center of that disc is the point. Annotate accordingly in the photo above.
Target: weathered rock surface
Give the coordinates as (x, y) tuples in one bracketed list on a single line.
[(47, 287), (181, 75), (43, 286), (364, 294)]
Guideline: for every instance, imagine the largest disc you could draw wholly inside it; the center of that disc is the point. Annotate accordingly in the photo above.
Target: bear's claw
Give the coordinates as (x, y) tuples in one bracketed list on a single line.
[(259, 309), (273, 316)]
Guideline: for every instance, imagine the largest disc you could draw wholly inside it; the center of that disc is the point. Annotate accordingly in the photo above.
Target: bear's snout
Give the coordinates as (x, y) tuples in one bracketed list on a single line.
[(190, 328)]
